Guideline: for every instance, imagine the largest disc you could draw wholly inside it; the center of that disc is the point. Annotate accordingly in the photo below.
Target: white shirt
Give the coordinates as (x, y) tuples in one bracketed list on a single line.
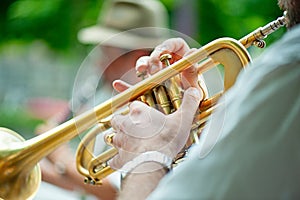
[(251, 146)]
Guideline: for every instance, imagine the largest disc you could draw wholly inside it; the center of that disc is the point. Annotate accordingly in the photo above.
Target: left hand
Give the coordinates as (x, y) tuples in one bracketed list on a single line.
[(146, 129)]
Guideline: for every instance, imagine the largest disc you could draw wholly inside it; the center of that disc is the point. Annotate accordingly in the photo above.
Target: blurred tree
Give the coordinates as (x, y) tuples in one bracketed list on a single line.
[(18, 120), (219, 18), (34, 36), (56, 22)]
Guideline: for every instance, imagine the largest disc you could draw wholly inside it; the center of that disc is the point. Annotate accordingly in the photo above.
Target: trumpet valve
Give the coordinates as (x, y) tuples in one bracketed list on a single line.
[(109, 138), (165, 58)]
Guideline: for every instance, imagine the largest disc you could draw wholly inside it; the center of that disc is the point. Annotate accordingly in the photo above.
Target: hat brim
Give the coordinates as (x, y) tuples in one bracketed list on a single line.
[(108, 36)]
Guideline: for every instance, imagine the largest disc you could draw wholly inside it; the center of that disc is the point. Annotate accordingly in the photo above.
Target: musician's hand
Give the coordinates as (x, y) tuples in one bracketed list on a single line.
[(178, 48), (146, 129)]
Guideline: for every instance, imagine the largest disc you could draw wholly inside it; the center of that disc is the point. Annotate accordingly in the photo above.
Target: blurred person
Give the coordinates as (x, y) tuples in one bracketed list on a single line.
[(121, 39), (250, 147)]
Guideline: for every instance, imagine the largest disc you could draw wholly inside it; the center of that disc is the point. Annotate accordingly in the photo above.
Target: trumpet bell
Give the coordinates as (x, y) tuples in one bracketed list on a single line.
[(22, 185)]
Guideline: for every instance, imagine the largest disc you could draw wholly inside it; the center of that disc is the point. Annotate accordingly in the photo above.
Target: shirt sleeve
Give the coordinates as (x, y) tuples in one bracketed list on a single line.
[(250, 147)]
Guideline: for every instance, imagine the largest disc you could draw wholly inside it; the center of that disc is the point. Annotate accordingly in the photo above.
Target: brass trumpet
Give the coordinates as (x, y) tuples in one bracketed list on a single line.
[(19, 172)]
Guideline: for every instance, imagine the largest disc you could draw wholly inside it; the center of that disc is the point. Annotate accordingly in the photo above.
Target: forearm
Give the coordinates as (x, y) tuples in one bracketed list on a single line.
[(138, 185)]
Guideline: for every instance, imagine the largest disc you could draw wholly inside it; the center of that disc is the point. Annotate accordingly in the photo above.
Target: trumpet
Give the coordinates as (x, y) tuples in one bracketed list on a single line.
[(20, 174)]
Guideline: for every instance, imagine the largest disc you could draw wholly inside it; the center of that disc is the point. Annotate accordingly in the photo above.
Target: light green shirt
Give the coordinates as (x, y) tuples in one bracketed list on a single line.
[(251, 146)]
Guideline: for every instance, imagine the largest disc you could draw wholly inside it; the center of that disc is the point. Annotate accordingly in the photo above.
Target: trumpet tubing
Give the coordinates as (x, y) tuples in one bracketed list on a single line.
[(167, 98), (19, 172), (227, 51)]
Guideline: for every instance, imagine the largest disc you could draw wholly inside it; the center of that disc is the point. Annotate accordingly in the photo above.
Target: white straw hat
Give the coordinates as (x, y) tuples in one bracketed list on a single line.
[(128, 24)]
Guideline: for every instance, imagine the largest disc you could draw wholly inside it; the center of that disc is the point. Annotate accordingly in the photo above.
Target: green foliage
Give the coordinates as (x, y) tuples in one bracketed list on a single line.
[(29, 20), (18, 120), (58, 21), (54, 21), (219, 18)]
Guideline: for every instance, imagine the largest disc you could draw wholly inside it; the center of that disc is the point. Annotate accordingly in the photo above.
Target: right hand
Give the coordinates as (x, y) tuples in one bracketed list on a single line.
[(178, 48)]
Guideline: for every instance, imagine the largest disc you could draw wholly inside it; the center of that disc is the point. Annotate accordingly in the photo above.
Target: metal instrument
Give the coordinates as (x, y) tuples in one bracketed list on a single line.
[(19, 172)]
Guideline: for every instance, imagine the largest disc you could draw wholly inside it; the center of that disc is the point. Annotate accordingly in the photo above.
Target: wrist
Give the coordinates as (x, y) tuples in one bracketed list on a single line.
[(133, 181), (147, 162), (148, 167)]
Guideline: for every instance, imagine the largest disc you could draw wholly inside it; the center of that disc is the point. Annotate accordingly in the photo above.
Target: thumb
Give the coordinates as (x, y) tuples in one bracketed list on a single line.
[(190, 103)]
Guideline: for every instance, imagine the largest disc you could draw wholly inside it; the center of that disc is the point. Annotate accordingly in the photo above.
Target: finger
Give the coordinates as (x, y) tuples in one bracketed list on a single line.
[(190, 78), (142, 121), (142, 64), (120, 85), (174, 45), (177, 47), (117, 121), (117, 140), (190, 75), (116, 162), (136, 107), (139, 119), (190, 103), (148, 65)]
